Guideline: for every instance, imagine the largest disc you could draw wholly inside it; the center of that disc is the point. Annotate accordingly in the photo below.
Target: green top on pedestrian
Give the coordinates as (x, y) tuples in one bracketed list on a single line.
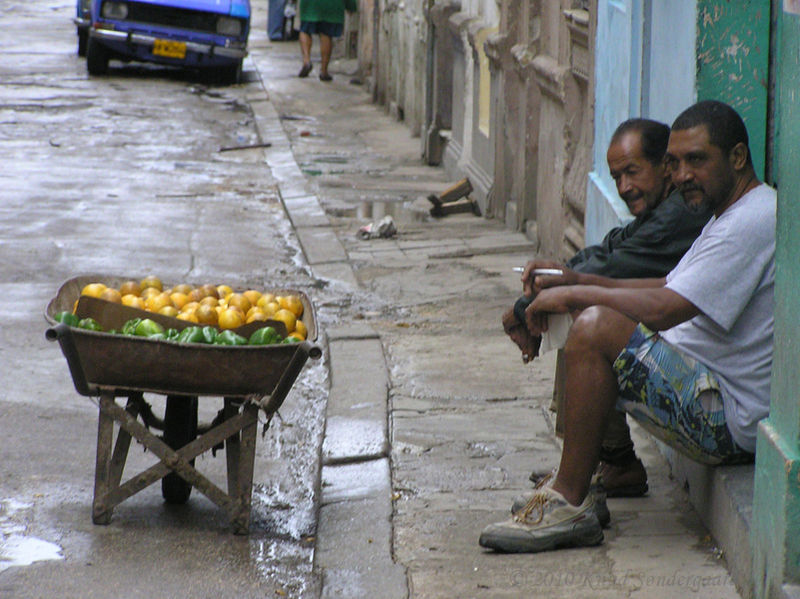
[(330, 11)]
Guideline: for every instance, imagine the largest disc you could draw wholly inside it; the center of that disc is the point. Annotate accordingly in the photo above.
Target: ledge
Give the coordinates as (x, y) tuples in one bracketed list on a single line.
[(723, 498), (551, 77), (497, 47), (440, 12)]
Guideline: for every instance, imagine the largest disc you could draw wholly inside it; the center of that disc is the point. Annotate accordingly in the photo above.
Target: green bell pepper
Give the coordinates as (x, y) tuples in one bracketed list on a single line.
[(147, 327), (228, 337), (67, 318), (191, 335), (90, 324), (210, 334), (264, 336), (129, 328)]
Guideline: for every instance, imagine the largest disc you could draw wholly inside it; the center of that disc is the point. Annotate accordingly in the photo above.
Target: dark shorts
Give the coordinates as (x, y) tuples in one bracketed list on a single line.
[(675, 398), (323, 27)]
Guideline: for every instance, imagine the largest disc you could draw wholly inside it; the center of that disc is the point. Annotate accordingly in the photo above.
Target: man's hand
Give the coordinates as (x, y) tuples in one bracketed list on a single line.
[(554, 300), (519, 334), (532, 285)]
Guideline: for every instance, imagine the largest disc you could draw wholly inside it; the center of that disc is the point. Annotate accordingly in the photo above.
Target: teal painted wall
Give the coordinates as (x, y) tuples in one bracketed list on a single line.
[(733, 63), (776, 501), (786, 370)]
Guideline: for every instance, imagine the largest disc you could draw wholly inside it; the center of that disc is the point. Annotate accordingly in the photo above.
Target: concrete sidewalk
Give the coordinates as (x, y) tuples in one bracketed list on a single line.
[(433, 422)]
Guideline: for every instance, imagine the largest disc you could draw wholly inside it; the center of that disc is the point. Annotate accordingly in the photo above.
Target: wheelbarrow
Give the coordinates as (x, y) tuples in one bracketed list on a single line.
[(248, 378)]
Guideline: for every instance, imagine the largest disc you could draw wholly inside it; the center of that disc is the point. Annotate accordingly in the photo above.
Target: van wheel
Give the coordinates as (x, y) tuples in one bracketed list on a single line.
[(229, 75), (97, 57), (83, 40)]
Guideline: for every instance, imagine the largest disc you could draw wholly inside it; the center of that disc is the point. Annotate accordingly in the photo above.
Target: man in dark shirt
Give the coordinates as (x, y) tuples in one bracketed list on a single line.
[(650, 246)]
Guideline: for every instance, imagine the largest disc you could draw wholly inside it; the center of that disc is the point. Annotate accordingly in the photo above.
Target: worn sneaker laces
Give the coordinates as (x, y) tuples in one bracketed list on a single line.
[(536, 504), (600, 508)]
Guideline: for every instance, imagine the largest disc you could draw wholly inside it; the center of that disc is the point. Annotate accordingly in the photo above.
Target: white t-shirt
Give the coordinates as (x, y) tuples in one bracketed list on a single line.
[(729, 274)]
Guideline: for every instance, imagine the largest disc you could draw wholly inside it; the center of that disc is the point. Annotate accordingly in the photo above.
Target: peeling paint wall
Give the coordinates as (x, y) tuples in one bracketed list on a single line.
[(733, 62)]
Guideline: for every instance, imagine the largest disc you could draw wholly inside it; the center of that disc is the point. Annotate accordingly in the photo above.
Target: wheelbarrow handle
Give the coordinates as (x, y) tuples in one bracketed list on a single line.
[(63, 334)]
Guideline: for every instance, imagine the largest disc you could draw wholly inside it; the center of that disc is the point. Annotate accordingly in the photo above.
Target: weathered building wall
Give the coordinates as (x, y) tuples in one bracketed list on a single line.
[(470, 151), (499, 92)]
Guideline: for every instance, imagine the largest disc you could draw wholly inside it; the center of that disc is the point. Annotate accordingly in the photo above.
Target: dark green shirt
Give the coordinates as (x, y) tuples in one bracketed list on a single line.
[(647, 247)]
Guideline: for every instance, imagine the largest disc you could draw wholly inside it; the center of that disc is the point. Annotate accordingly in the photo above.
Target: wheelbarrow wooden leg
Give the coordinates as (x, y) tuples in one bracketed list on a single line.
[(123, 443), (101, 513), (246, 460)]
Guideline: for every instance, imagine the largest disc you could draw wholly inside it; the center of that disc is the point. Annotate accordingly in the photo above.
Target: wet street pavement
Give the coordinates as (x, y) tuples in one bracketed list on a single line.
[(390, 455), (123, 175)]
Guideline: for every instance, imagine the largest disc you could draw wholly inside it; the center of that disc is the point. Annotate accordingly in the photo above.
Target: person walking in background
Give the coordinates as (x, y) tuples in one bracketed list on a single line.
[(326, 19)]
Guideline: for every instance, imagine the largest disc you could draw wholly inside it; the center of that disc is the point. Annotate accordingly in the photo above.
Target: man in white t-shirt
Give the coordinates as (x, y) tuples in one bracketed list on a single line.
[(688, 356)]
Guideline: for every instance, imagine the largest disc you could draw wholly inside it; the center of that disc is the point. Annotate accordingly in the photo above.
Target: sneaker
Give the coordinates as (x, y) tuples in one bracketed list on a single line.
[(595, 488), (547, 522), (629, 480)]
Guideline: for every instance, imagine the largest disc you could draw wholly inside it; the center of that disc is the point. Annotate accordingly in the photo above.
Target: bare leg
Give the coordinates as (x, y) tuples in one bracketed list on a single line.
[(595, 340), (325, 48), (305, 47)]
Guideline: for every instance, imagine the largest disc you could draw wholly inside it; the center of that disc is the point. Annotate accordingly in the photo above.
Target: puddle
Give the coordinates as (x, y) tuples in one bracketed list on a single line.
[(17, 548)]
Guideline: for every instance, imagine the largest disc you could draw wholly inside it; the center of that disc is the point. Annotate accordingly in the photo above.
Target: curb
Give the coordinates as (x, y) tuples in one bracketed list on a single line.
[(353, 552)]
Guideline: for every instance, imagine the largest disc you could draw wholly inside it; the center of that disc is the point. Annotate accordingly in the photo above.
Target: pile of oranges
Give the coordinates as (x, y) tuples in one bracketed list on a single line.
[(216, 305)]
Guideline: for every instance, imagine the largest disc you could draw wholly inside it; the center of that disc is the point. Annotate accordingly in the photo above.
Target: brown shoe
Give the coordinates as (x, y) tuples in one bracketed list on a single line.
[(629, 480)]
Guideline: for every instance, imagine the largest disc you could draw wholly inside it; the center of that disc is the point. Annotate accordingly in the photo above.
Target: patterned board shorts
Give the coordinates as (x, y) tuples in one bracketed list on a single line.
[(675, 398)]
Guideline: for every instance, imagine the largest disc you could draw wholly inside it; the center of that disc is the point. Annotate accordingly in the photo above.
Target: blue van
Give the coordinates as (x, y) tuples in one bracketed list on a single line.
[(202, 34)]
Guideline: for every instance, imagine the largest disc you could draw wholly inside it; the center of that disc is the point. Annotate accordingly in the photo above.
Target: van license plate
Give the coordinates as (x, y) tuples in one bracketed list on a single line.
[(169, 48)]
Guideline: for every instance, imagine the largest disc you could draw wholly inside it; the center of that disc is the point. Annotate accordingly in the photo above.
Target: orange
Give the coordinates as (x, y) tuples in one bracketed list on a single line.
[(190, 307), (196, 294), (256, 313), (179, 299), (253, 310), (238, 300), (224, 290), (300, 329), (292, 303), (111, 295), (270, 308), (252, 295), (265, 299), (169, 311), (230, 318), (151, 281), (154, 302), (286, 317), (133, 301), (182, 288), (206, 314), (149, 291), (187, 316), (209, 301), (129, 287), (295, 335), (210, 291), (93, 289)]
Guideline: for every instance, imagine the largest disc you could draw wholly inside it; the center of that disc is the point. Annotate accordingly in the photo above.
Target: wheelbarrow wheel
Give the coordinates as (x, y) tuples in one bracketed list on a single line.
[(180, 428)]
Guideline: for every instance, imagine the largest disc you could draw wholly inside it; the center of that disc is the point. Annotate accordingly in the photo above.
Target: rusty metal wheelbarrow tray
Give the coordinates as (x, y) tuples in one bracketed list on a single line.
[(107, 365)]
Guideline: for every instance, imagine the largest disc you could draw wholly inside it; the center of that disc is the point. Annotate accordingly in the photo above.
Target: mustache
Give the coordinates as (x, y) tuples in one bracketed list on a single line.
[(689, 187)]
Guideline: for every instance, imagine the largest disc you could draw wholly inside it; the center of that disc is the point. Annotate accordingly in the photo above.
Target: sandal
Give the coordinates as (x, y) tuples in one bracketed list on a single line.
[(305, 70), (325, 77)]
